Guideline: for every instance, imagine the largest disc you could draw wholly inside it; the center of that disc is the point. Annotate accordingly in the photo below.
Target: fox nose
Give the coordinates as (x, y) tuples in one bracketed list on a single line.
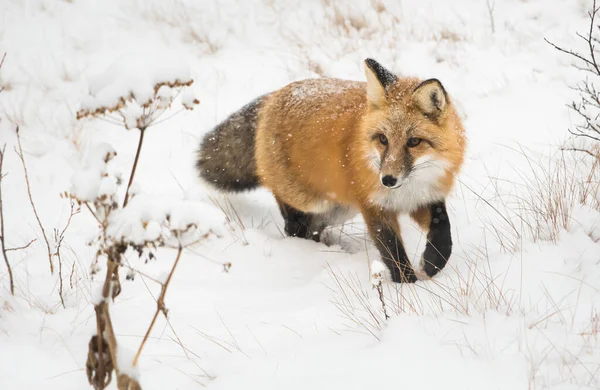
[(389, 181)]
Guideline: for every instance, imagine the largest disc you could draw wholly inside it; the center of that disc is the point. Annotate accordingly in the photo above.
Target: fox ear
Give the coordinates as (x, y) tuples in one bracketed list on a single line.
[(378, 80), (430, 96)]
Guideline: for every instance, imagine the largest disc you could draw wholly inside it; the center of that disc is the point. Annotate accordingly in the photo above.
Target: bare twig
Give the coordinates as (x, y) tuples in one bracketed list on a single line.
[(570, 52), (581, 151), (160, 306), (87, 205), (491, 6), (2, 241), (382, 299), (58, 239), (588, 107), (135, 164), (37, 217), (2, 63), (21, 247)]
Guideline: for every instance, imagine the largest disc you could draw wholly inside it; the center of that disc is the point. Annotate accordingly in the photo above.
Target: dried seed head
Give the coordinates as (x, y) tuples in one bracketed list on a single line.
[(98, 368)]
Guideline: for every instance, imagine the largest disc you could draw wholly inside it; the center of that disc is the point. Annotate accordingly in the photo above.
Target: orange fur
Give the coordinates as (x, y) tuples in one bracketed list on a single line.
[(313, 141)]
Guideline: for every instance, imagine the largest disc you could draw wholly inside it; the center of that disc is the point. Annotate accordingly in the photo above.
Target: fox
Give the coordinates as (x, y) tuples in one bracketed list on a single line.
[(328, 149)]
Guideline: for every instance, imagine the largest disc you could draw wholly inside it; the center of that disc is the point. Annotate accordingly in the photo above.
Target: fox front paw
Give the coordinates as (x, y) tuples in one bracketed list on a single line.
[(432, 265), (406, 276)]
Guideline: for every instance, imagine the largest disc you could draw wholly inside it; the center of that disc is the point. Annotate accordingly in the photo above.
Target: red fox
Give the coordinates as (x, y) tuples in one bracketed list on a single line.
[(329, 148)]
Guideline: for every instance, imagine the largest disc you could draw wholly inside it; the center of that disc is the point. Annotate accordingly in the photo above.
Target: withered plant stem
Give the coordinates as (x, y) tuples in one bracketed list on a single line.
[(160, 306), (37, 217), (135, 163), (101, 321), (2, 241), (59, 240)]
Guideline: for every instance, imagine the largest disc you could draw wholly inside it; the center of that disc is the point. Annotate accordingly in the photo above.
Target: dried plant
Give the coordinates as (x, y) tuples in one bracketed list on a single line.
[(112, 248), (51, 250), (19, 151), (5, 250), (491, 7), (2, 63), (588, 106), (113, 245), (2, 241), (59, 237)]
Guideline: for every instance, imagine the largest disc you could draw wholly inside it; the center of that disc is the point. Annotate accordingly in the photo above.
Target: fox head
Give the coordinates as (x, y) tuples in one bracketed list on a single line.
[(412, 135)]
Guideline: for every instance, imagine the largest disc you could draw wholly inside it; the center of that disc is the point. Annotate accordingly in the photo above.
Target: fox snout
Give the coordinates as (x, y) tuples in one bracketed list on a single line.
[(394, 170)]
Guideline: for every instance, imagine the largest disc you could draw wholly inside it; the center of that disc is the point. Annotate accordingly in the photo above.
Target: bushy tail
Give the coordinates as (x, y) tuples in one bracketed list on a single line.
[(226, 156)]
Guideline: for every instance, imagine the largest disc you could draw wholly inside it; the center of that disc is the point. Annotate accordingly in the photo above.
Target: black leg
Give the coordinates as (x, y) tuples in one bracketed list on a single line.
[(298, 223), (384, 230), (439, 240), (393, 255)]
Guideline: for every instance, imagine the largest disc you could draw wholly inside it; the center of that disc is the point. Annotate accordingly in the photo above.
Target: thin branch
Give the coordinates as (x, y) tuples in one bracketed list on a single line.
[(2, 242), (2, 63), (160, 306), (21, 247), (582, 151), (491, 6), (87, 205), (58, 239), (135, 163), (570, 52), (60, 279), (589, 40), (141, 273), (22, 158), (582, 134)]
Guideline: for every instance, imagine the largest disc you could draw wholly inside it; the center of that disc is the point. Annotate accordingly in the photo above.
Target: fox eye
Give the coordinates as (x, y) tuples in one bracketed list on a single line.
[(383, 139), (412, 142)]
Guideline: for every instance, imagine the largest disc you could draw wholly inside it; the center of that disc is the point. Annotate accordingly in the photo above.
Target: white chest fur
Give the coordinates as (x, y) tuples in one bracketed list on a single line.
[(420, 187)]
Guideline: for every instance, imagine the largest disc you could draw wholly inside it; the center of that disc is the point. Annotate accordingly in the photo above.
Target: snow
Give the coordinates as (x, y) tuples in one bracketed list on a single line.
[(148, 218), (130, 76), (93, 178), (517, 307)]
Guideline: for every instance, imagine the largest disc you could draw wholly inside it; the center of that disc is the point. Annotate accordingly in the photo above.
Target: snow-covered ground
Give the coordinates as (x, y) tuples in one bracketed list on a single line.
[(518, 306)]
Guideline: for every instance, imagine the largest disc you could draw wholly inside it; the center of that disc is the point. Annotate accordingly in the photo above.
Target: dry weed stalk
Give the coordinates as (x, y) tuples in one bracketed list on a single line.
[(491, 7), (102, 362), (2, 232), (5, 250), (19, 151), (102, 350), (353, 301), (232, 217), (160, 305), (2, 241), (58, 240), (376, 280), (58, 237), (2, 63)]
